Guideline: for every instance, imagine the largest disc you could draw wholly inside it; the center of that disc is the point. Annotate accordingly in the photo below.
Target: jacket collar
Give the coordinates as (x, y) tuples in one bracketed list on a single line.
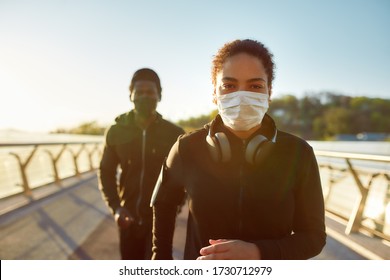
[(128, 119)]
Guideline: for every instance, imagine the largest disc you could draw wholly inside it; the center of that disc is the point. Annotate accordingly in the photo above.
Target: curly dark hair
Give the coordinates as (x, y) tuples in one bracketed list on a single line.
[(248, 46)]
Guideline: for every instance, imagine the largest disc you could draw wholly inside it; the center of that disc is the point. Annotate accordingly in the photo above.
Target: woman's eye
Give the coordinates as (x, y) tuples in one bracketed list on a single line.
[(228, 86), (257, 86)]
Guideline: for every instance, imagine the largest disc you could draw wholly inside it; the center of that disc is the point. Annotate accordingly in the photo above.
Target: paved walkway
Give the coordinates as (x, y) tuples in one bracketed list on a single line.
[(54, 226), (103, 243), (74, 223)]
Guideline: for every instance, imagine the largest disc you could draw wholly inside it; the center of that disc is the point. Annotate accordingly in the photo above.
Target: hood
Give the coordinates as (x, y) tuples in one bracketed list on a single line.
[(125, 119)]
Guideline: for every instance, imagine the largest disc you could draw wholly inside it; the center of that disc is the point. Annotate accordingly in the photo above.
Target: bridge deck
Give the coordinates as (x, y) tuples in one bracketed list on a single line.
[(74, 223)]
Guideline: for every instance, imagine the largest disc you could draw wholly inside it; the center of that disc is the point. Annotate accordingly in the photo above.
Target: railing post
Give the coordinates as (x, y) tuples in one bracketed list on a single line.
[(330, 183), (23, 167), (54, 161), (331, 180), (90, 153), (75, 156), (386, 201), (355, 220)]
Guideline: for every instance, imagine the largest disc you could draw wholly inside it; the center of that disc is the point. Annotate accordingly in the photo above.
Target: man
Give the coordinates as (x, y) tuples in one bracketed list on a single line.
[(254, 192), (138, 142)]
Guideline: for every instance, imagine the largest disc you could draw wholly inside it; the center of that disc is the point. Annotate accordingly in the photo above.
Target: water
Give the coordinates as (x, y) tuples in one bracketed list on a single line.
[(10, 136)]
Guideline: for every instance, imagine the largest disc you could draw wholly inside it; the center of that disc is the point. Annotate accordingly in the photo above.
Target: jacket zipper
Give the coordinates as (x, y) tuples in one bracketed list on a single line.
[(241, 196), (141, 180)]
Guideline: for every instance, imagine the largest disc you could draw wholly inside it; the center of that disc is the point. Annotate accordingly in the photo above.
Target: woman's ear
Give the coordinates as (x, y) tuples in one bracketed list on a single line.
[(159, 95)]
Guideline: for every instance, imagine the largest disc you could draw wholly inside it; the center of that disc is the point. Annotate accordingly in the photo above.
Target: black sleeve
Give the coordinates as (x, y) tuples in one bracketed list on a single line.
[(309, 235), (107, 177), (168, 195)]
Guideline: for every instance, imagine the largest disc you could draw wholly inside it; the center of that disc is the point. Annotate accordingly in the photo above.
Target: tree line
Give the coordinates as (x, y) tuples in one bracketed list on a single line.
[(90, 128), (321, 116), (324, 115), (315, 116)]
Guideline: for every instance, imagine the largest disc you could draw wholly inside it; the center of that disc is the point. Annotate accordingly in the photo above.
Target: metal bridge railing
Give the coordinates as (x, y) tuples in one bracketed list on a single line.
[(348, 178), (362, 177), (26, 166)]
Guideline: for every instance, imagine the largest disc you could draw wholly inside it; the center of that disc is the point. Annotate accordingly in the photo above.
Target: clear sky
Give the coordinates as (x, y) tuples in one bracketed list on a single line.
[(67, 62)]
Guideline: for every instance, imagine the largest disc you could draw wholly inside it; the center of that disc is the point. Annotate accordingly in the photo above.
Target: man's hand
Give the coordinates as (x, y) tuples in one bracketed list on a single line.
[(123, 218), (227, 249)]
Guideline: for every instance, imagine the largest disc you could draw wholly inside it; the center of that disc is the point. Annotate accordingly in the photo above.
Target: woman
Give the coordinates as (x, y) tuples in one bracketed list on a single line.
[(254, 192)]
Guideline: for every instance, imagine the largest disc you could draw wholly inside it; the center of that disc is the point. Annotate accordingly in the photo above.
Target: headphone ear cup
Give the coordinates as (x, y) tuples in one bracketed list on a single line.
[(219, 147), (264, 151), (213, 148), (224, 146), (254, 149)]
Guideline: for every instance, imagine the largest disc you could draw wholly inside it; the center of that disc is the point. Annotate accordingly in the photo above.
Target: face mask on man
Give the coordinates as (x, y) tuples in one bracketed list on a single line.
[(145, 106), (242, 110)]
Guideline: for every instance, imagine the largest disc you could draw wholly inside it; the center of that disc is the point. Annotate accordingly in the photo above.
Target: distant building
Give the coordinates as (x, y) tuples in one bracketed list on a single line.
[(345, 137), (363, 136)]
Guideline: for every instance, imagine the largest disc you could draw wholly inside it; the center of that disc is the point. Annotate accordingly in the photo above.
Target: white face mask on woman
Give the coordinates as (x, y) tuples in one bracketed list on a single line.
[(242, 110)]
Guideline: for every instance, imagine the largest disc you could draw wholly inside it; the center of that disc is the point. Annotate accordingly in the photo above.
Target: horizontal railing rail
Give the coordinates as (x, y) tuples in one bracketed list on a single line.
[(26, 153), (47, 143), (337, 173), (378, 158)]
